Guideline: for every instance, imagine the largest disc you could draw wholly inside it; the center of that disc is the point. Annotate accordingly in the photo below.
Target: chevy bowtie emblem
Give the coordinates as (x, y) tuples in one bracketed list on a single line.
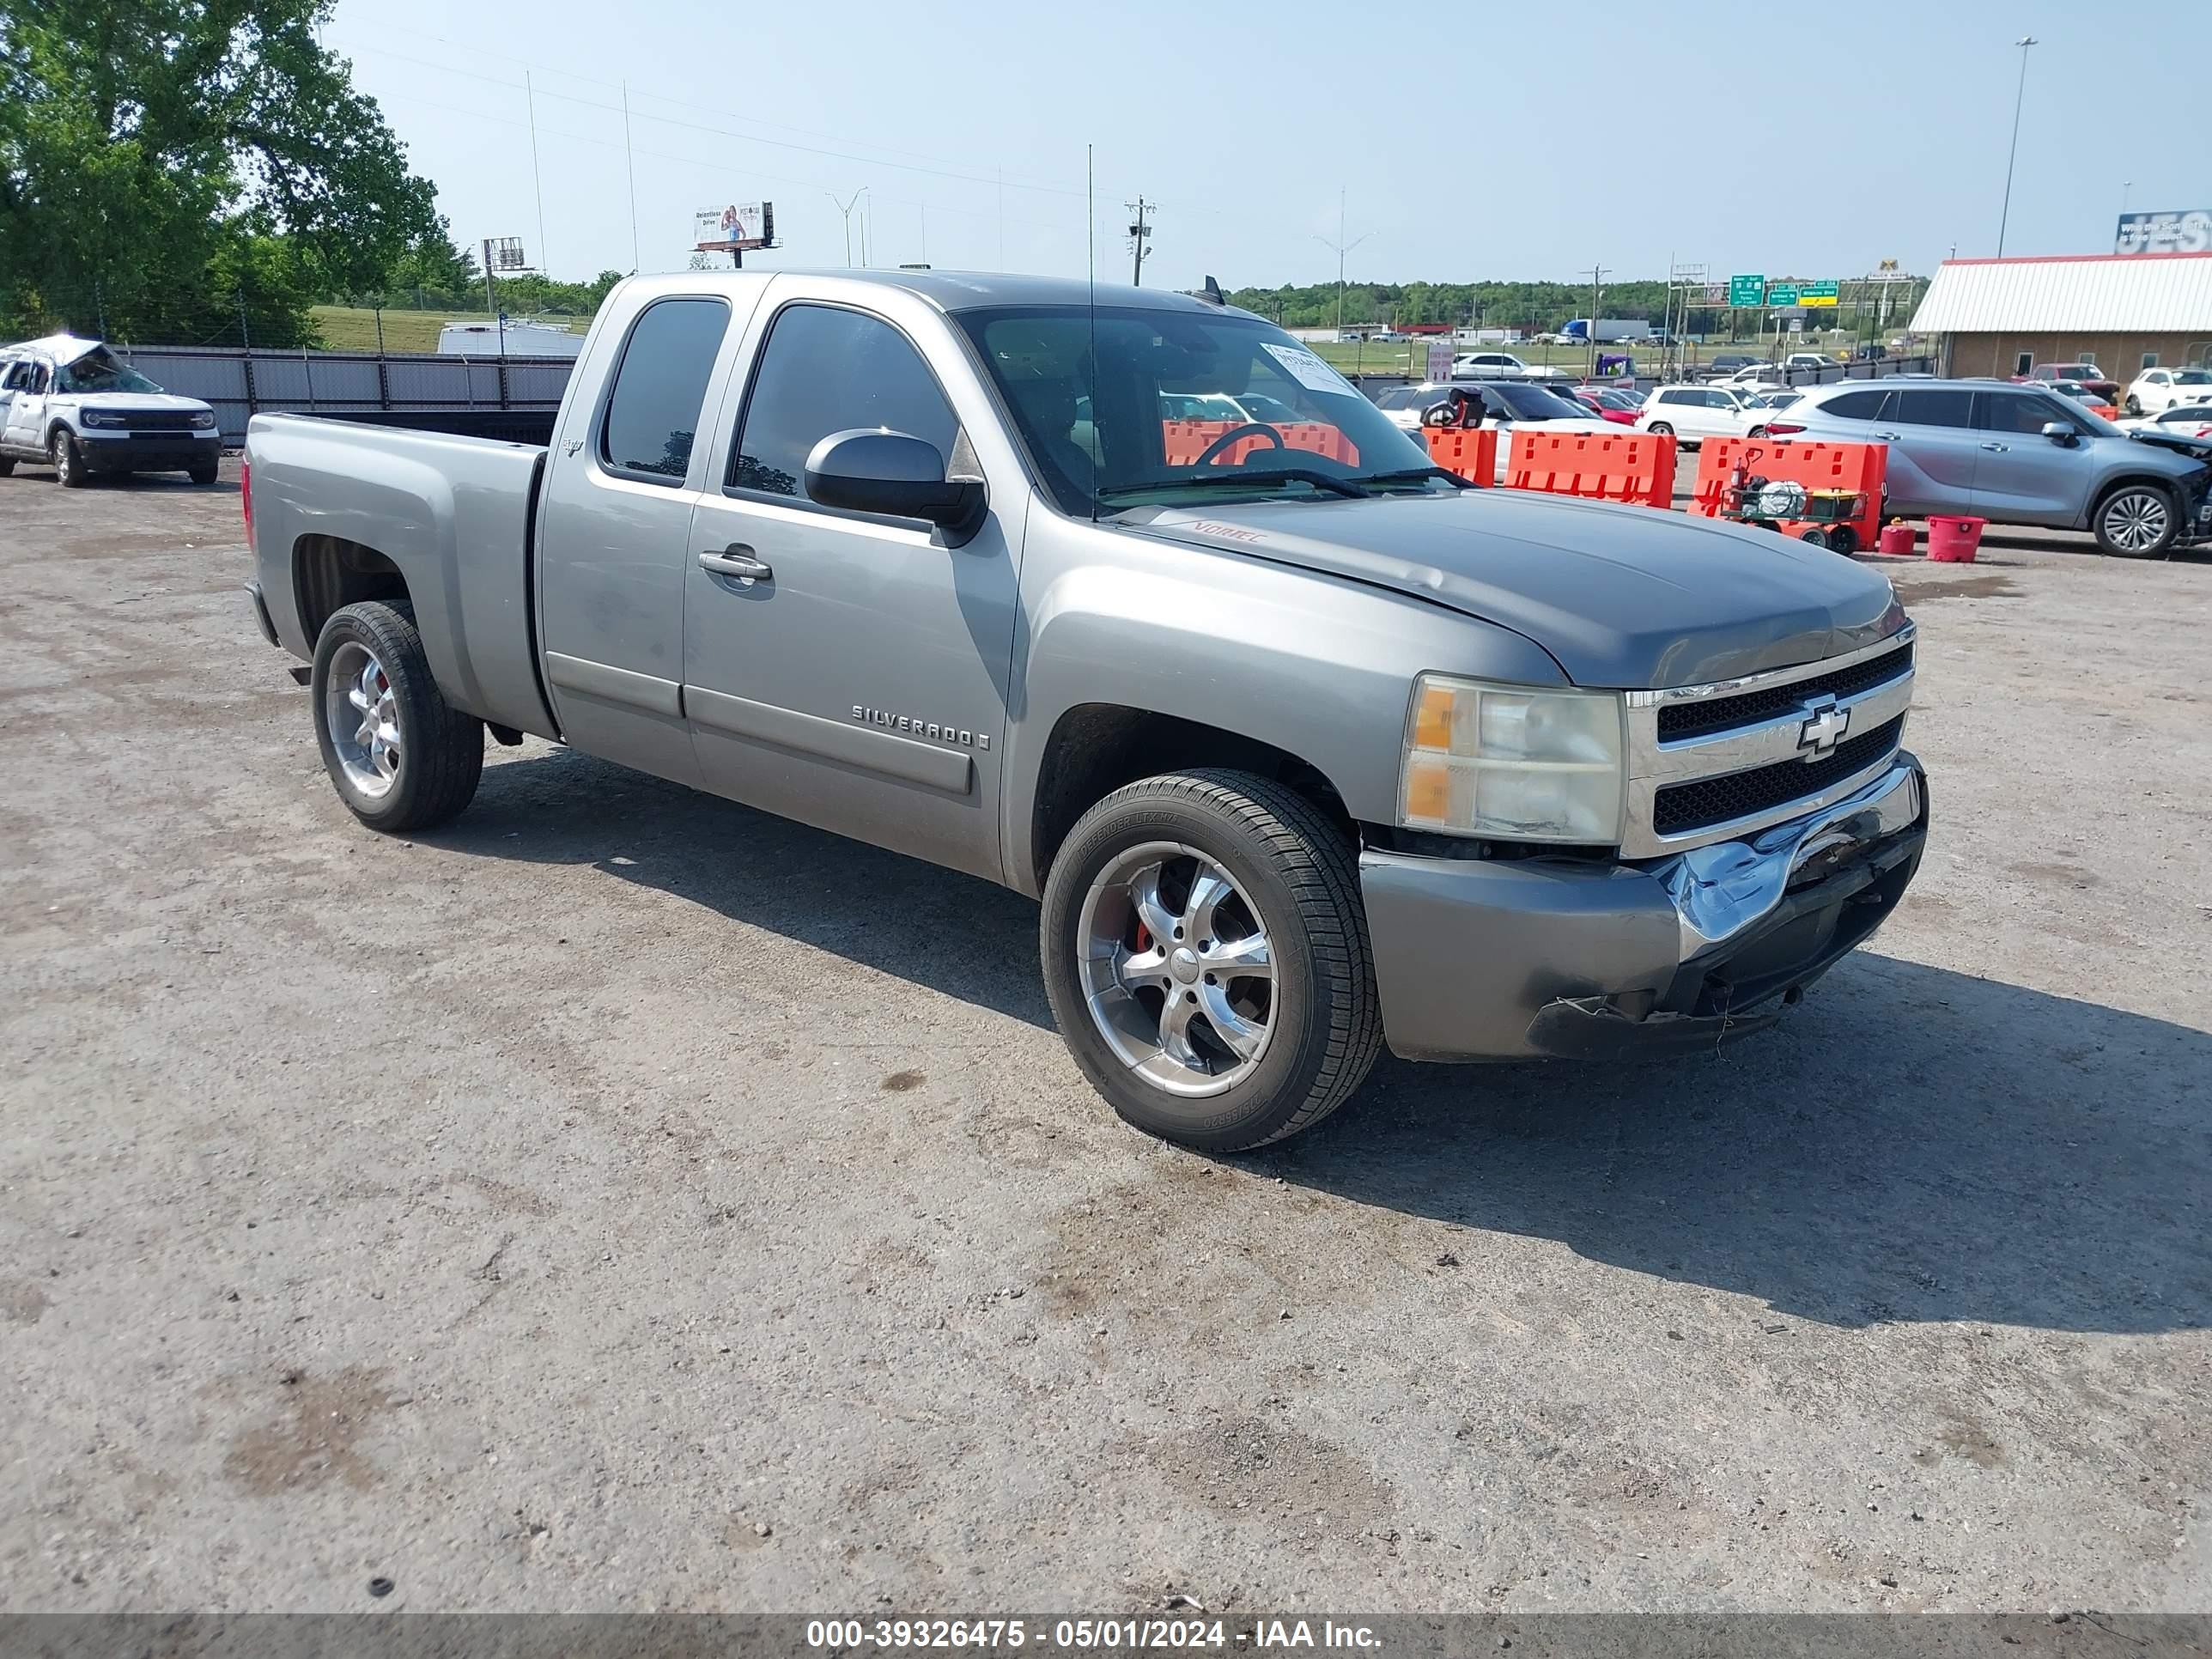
[(1824, 728)]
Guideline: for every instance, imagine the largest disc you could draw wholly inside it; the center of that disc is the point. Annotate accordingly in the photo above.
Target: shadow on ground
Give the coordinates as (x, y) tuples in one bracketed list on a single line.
[(1912, 1144)]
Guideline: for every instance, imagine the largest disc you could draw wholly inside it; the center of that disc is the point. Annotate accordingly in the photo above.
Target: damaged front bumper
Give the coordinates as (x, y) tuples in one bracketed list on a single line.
[(1502, 960)]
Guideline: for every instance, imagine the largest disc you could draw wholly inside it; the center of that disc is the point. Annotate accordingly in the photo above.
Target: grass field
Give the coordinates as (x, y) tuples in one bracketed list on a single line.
[(353, 328), (1374, 358)]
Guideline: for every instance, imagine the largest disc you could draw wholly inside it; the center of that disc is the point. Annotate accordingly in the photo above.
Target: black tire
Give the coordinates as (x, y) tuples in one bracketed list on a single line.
[(1660, 427), (7, 466), (1300, 874), (1843, 539), (2134, 405), (204, 473), (441, 749), (2120, 516), (67, 458)]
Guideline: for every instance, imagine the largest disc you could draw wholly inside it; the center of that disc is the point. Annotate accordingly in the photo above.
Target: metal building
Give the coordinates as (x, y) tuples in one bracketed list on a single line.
[(2124, 312)]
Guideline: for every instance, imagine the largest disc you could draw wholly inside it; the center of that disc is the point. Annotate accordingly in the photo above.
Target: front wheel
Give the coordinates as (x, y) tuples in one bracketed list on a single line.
[(2138, 521), (7, 466), (1661, 428), (402, 757), (69, 461), (1206, 954), (204, 473), (2134, 405)]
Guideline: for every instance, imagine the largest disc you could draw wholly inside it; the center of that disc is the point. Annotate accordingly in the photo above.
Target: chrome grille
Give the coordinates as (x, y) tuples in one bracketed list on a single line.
[(1719, 762)]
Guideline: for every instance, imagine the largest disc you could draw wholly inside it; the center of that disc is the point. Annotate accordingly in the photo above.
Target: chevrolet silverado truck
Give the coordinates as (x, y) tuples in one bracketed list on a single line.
[(1305, 746)]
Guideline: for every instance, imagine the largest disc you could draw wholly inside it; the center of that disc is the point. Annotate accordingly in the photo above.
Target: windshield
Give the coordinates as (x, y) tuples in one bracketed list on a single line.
[(1101, 421), (98, 372)]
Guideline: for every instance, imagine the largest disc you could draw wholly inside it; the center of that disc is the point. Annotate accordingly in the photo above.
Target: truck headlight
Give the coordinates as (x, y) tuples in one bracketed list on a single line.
[(203, 419), (100, 417), (1512, 762)]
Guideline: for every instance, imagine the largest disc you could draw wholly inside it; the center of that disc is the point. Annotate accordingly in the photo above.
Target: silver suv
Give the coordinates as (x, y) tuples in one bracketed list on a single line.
[(2018, 454)]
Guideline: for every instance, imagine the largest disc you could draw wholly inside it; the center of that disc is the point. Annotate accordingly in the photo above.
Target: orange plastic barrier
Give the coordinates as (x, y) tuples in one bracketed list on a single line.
[(1184, 441), (1471, 451), (1636, 466), (1861, 468)]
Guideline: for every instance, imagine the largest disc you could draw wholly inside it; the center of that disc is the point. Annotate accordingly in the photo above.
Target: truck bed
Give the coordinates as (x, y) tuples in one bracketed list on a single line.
[(341, 505)]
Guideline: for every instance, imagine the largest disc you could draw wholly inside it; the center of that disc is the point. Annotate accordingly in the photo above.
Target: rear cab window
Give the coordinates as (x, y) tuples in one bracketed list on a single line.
[(659, 385)]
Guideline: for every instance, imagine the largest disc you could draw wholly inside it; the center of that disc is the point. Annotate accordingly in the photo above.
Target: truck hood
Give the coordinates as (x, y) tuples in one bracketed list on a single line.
[(1621, 596)]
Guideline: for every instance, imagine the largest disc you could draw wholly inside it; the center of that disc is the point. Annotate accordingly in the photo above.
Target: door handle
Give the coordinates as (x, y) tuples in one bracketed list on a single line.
[(736, 561), (1997, 446), (1890, 437)]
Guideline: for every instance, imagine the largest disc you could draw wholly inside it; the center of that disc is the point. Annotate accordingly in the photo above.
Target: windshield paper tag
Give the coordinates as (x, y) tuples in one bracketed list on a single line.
[(1307, 369)]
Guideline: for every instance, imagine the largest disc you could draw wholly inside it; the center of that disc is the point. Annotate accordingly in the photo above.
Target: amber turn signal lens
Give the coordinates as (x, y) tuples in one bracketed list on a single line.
[(1432, 722)]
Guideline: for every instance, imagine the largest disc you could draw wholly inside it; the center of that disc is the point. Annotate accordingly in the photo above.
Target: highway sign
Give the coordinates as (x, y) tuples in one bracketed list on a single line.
[(1746, 291), (1782, 294), (1817, 293)]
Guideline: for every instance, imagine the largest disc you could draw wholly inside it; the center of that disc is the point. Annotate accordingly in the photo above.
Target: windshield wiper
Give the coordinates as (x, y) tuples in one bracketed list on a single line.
[(1416, 475), (1266, 478)]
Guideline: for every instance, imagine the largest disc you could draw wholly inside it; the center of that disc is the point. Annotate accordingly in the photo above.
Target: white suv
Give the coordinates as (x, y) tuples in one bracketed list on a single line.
[(73, 405), (1694, 413), (1499, 366), (2157, 390)]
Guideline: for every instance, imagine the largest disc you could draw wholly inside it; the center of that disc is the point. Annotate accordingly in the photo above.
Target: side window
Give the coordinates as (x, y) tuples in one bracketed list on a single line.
[(1853, 405), (825, 370), (653, 414), (2017, 412), (1936, 406)]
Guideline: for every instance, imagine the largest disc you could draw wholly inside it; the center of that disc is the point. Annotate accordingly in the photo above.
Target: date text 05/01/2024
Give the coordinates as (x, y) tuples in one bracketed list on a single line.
[(1081, 1634)]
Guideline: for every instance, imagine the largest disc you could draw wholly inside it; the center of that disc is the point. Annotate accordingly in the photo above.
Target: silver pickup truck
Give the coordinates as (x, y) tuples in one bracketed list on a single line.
[(1305, 746)]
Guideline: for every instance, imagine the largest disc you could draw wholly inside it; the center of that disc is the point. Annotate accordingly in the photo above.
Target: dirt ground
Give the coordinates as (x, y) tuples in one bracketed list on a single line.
[(623, 1200)]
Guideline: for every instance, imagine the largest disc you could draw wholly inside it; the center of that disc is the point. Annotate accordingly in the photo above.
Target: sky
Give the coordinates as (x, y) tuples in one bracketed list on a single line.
[(1492, 141)]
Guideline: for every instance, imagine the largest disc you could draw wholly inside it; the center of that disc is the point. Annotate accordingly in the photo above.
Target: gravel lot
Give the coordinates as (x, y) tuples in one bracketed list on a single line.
[(623, 1200)]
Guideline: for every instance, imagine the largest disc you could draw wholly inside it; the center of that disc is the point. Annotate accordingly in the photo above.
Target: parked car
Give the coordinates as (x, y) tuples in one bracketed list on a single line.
[(1806, 362), (1694, 413), (1726, 363), (2019, 455), (1298, 764), (2182, 420), (73, 406), (1500, 366), (1508, 407), (1251, 406), (2088, 374), (1753, 377), (2092, 400), (1402, 404), (1608, 402), (1870, 351), (2157, 389)]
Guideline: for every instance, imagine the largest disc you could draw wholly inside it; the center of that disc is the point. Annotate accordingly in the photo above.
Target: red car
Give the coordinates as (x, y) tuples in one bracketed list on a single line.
[(1614, 404), (2087, 375)]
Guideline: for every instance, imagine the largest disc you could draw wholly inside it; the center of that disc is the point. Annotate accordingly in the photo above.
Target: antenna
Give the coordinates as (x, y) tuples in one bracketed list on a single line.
[(1091, 206)]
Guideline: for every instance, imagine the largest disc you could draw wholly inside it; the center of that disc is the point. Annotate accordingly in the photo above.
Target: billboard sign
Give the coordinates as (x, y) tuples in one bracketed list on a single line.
[(2187, 231), (1748, 290), (734, 228)]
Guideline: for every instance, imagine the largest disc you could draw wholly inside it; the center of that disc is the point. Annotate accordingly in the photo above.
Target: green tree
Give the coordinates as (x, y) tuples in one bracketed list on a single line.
[(168, 165)]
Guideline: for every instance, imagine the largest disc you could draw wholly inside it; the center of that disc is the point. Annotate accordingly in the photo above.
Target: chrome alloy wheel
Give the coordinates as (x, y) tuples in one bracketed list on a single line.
[(2135, 520), (363, 719), (1177, 970)]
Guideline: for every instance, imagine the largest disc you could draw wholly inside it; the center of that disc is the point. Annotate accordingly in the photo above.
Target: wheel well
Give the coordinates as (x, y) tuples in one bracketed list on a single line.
[(1096, 748), (330, 572), (2165, 486)]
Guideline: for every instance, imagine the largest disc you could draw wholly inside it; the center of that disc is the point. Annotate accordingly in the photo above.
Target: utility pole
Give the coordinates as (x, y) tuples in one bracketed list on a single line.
[(1140, 231), (1596, 273), (536, 184), (2013, 155), (1342, 248), (491, 299), (630, 163)]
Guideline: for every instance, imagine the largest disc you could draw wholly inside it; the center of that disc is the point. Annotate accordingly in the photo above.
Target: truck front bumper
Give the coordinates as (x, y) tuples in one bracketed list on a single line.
[(1519, 959)]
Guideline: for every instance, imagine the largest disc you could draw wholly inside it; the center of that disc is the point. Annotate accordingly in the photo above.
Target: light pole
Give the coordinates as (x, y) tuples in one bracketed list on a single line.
[(846, 208), (2012, 154), (1342, 248)]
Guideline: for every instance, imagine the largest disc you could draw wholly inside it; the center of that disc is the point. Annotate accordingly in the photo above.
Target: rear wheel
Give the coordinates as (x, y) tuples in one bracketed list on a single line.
[(1206, 954), (7, 465), (1843, 539), (67, 458), (1662, 427), (2136, 521), (402, 757)]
